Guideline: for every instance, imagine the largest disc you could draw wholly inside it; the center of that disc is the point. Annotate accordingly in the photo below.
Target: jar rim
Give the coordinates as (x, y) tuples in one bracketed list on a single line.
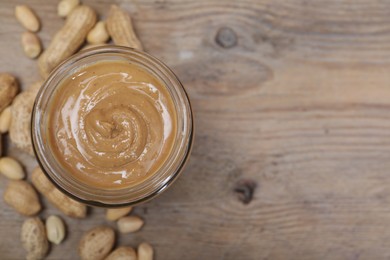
[(132, 195)]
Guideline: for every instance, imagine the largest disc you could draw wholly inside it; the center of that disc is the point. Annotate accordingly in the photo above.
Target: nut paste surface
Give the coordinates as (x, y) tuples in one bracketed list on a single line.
[(112, 124)]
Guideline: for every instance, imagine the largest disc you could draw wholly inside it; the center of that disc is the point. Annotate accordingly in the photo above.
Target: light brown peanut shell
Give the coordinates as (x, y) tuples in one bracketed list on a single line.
[(67, 40), (8, 89), (120, 28), (20, 128), (97, 243), (68, 206), (33, 237), (5, 120)]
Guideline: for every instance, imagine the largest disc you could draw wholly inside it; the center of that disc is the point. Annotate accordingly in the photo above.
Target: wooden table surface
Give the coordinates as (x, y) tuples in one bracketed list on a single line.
[(292, 110)]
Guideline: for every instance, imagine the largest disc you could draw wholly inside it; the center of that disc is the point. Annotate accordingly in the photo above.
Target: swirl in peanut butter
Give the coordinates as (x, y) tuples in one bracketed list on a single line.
[(112, 124)]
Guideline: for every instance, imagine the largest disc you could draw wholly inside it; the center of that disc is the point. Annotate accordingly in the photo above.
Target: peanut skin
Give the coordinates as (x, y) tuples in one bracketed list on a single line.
[(122, 253), (65, 7), (115, 214), (129, 224), (68, 40), (145, 251), (21, 196), (11, 168), (31, 45), (98, 34), (27, 18)]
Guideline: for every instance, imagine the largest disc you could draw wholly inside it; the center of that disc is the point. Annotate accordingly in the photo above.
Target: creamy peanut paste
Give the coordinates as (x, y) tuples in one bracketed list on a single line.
[(112, 124)]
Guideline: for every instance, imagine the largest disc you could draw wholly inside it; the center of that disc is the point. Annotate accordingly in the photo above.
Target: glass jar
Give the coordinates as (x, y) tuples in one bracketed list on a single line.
[(141, 192)]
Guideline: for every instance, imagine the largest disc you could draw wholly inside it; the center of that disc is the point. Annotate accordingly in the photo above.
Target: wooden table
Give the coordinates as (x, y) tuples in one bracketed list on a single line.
[(292, 109)]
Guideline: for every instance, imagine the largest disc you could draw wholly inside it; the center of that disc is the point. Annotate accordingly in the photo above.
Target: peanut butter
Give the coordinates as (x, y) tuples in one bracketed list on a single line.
[(112, 124)]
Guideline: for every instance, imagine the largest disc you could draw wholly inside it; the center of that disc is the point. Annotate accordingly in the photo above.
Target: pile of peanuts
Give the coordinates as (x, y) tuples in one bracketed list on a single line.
[(81, 26)]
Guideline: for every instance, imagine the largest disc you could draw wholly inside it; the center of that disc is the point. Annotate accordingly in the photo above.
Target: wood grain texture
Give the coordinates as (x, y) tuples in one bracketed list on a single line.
[(295, 100)]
